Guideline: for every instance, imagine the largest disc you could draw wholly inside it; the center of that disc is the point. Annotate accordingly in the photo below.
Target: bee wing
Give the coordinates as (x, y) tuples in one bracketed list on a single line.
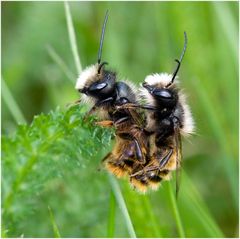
[(178, 144)]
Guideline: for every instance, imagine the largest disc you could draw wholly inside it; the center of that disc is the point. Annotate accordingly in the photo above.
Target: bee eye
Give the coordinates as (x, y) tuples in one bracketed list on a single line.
[(97, 87), (165, 94)]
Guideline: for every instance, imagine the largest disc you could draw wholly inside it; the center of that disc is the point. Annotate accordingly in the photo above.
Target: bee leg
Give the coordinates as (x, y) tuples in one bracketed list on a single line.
[(166, 158), (129, 105), (105, 123), (139, 154), (138, 150), (106, 157), (162, 163), (69, 105), (119, 121)]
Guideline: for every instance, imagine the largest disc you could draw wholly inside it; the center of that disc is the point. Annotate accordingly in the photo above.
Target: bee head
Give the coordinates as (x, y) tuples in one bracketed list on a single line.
[(96, 82), (157, 87)]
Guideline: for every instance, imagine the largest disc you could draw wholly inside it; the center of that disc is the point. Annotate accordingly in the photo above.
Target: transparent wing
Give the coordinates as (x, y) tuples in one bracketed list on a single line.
[(178, 144)]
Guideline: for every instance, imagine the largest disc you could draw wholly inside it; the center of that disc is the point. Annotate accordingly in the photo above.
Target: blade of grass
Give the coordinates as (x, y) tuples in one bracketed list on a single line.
[(54, 224), (151, 215), (175, 211), (199, 208), (219, 134), (119, 198), (56, 58), (72, 38), (11, 104), (111, 217), (225, 18), (150, 228)]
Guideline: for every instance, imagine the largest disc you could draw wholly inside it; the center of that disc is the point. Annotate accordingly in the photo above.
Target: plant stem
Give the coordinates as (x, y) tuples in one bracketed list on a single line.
[(175, 211), (11, 104), (60, 63), (111, 217), (54, 224), (122, 205), (72, 38)]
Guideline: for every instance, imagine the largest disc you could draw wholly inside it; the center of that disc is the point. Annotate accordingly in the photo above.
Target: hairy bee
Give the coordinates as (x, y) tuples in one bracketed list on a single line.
[(100, 87), (167, 118)]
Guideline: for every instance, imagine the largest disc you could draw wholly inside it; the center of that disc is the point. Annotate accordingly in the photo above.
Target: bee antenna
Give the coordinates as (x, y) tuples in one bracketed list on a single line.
[(180, 60), (102, 37)]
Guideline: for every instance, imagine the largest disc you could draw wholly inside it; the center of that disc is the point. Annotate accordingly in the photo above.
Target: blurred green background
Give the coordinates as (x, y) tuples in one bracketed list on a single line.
[(141, 38)]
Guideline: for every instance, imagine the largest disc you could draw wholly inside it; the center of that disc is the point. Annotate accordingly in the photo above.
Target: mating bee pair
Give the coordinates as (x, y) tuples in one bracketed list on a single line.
[(149, 122)]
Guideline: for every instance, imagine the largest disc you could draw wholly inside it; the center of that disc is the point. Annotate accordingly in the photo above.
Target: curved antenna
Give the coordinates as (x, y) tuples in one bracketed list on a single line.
[(180, 60), (102, 37)]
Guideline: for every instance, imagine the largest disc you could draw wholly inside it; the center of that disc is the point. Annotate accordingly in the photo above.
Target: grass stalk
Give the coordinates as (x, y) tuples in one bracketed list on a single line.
[(200, 209), (229, 25), (219, 134), (72, 37), (119, 198), (11, 104), (175, 211), (54, 224), (111, 217), (59, 61), (152, 218)]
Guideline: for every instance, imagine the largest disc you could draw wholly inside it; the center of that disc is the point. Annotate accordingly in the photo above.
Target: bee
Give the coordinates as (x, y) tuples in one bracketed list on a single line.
[(101, 89), (168, 117)]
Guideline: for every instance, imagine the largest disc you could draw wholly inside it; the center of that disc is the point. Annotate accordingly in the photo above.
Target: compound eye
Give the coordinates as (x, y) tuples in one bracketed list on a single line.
[(165, 94), (97, 87)]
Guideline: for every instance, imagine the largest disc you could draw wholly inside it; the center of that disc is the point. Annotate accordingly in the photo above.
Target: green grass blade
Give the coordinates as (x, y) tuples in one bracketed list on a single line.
[(59, 61), (175, 211), (149, 209), (152, 226), (219, 134), (111, 217), (11, 104), (54, 224), (225, 18), (199, 208), (72, 38), (122, 205)]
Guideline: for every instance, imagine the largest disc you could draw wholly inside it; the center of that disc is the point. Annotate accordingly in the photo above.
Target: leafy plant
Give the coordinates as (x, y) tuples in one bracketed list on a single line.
[(43, 150)]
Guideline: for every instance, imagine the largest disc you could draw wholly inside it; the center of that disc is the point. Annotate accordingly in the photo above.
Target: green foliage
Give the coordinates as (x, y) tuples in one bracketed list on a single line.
[(51, 146)]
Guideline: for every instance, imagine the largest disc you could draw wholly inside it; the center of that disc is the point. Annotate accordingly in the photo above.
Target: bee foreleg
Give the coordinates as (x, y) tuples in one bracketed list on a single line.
[(106, 157), (139, 154), (105, 123), (129, 106), (119, 121), (166, 158)]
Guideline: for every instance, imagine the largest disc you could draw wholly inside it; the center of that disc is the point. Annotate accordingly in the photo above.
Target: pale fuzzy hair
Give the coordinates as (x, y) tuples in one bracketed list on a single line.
[(161, 80), (87, 77), (188, 122)]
